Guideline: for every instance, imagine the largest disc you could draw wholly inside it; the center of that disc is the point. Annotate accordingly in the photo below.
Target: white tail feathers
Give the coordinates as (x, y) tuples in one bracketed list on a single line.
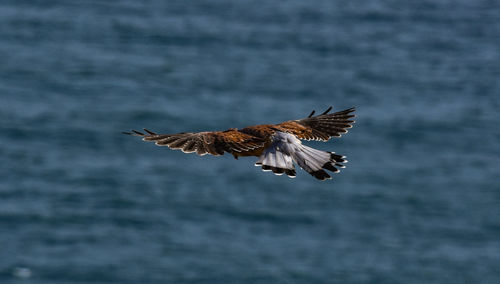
[(287, 149)]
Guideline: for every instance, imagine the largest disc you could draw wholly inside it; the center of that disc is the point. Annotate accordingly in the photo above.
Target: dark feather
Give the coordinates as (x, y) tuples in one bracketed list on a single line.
[(312, 113), (290, 173), (326, 111), (138, 133), (277, 170), (321, 175), (149, 132)]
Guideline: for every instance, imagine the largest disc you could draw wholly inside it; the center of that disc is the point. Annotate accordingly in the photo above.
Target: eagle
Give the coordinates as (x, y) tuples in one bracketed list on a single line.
[(277, 146)]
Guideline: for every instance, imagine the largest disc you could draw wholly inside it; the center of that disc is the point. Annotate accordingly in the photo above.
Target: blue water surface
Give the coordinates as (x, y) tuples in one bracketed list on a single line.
[(81, 203)]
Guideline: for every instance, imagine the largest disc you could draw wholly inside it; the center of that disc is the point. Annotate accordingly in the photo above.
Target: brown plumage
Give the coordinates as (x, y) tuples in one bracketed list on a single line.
[(277, 145)]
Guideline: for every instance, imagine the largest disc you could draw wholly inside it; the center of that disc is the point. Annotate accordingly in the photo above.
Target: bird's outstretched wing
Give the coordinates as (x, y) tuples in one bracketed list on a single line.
[(321, 127), (214, 143)]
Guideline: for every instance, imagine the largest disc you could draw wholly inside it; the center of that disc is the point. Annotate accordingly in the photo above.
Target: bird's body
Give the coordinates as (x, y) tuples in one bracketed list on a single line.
[(277, 145)]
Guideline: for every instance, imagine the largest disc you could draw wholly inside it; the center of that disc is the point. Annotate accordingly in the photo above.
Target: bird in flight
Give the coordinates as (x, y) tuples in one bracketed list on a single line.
[(277, 146)]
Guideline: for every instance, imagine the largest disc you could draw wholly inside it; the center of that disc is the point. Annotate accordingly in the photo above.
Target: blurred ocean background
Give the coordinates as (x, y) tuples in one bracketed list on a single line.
[(419, 201)]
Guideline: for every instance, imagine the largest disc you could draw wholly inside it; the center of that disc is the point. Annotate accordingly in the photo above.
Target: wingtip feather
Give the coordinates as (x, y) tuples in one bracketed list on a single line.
[(150, 132), (328, 110)]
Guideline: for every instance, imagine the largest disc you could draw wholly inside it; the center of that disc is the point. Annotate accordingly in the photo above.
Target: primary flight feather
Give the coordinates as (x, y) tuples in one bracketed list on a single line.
[(278, 146)]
